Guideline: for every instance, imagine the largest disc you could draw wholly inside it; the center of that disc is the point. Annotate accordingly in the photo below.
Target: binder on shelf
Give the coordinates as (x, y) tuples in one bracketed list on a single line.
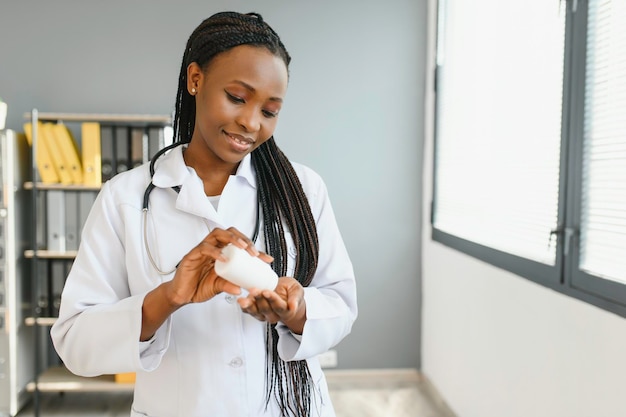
[(91, 154), (55, 220), (71, 220), (58, 274), (47, 132), (85, 202), (156, 140), (125, 378), (137, 146), (122, 148), (45, 164), (43, 291), (40, 219), (69, 151), (106, 152)]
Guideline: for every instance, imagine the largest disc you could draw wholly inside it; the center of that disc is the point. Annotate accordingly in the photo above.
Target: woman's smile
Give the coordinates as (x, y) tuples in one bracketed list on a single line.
[(238, 142)]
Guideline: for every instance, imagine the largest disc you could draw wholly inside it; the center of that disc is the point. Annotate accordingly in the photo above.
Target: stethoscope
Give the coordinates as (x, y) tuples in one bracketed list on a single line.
[(146, 200)]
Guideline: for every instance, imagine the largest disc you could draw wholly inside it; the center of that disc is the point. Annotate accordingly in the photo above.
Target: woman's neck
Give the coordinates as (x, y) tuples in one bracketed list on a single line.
[(213, 174)]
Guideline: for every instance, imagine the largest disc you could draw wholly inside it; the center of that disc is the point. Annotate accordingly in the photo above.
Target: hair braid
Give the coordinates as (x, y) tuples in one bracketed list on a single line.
[(281, 198)]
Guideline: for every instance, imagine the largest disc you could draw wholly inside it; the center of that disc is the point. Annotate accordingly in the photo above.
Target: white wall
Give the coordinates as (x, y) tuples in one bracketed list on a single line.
[(497, 345), (353, 112)]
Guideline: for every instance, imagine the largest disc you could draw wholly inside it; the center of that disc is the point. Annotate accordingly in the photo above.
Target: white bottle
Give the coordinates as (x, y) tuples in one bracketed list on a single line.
[(245, 270)]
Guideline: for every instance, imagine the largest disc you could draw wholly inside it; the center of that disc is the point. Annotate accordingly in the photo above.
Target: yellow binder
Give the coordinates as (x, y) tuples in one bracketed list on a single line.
[(69, 152), (45, 165), (47, 131), (92, 157)]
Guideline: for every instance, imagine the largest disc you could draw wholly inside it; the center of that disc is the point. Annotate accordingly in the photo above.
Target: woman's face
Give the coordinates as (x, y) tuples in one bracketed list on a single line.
[(238, 98)]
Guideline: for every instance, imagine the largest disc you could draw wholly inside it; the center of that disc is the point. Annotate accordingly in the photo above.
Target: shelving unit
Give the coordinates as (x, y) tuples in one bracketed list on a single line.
[(59, 379), (51, 377)]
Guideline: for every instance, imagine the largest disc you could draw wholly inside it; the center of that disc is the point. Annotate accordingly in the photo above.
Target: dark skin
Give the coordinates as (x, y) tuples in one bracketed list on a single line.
[(238, 98)]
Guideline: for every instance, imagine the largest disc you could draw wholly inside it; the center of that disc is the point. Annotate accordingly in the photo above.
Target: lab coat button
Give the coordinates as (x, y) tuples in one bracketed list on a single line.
[(236, 362), (230, 298)]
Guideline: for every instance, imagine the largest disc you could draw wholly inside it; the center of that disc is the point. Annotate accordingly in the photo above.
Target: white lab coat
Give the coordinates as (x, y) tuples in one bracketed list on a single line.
[(207, 359)]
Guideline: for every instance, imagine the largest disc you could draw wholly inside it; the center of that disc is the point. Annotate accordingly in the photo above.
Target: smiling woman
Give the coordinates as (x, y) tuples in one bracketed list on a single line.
[(223, 182), (237, 98)]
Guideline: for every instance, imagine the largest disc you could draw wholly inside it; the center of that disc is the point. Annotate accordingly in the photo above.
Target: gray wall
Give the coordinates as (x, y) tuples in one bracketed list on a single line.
[(354, 113)]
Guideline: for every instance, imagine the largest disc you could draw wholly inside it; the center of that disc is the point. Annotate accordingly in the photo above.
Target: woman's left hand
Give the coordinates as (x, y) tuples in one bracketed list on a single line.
[(285, 304)]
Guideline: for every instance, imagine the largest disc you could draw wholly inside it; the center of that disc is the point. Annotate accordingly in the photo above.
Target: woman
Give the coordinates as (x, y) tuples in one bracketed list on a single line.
[(143, 296)]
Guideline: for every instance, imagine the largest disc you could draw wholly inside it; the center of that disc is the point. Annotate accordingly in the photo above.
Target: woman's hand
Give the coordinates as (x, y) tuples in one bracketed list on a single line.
[(195, 279), (285, 304)]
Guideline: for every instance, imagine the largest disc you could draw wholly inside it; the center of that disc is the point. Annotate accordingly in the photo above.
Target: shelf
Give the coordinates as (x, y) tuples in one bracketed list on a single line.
[(103, 118), (49, 254), (40, 321), (68, 187), (59, 379)]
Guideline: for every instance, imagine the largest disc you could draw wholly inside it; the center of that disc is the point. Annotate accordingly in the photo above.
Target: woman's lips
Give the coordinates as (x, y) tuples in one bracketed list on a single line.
[(238, 142)]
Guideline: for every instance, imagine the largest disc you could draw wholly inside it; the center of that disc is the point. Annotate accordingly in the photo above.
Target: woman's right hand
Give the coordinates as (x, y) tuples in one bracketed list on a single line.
[(195, 279)]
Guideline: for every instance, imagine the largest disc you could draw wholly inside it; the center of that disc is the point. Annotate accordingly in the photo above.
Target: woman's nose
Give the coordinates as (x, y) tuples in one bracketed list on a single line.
[(249, 119)]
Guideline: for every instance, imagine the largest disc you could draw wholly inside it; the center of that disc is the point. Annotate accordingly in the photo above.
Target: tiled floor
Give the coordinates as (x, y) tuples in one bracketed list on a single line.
[(371, 393)]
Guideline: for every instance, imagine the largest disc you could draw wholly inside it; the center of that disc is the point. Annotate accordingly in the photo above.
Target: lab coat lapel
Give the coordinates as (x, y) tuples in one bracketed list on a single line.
[(192, 199), (172, 171)]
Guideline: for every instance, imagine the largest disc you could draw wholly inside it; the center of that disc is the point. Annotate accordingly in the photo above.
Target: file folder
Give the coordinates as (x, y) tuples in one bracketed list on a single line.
[(155, 140), (43, 292), (71, 220), (55, 220), (58, 275), (91, 154), (106, 152), (85, 202), (41, 232), (122, 149), (45, 166), (47, 132), (69, 152), (138, 148)]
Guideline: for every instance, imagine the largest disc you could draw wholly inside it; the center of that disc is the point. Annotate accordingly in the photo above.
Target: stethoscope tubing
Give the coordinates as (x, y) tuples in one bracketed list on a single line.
[(146, 203)]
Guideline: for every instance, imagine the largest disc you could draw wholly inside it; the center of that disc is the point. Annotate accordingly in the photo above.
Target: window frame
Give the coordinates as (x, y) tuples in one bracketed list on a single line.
[(564, 276)]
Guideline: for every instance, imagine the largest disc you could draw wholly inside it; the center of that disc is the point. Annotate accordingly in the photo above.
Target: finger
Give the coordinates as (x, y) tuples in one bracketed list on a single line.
[(293, 304), (220, 238), (276, 303), (248, 306), (248, 244), (229, 287), (262, 304), (266, 258)]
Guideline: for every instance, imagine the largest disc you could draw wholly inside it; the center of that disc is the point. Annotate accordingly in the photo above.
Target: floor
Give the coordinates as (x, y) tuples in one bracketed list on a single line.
[(371, 393)]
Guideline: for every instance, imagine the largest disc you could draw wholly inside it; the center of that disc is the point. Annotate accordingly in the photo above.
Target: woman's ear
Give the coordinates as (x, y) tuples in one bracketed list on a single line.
[(194, 75)]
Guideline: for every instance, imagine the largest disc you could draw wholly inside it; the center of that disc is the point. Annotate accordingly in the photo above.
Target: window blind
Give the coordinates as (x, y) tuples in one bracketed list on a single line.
[(603, 208), (498, 139)]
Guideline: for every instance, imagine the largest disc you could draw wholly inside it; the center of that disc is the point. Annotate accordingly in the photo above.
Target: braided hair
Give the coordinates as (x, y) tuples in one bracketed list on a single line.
[(281, 198)]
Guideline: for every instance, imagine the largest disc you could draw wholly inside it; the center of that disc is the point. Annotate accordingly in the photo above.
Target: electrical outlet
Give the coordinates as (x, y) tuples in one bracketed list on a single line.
[(328, 359)]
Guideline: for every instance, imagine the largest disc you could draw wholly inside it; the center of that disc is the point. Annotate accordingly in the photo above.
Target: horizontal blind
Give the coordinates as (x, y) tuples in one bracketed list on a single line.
[(603, 213), (499, 124)]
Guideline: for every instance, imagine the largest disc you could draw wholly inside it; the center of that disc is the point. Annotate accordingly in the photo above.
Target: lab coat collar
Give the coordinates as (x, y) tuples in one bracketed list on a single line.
[(171, 170)]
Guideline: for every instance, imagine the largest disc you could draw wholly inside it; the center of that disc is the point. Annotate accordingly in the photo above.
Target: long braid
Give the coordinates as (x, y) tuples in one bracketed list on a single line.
[(280, 194), (281, 197)]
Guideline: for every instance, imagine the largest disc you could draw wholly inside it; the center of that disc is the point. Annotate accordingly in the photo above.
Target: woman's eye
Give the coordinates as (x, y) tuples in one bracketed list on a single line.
[(234, 98), (269, 114)]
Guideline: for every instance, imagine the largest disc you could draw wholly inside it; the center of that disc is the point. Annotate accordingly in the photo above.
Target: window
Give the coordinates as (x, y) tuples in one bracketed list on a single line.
[(530, 146)]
